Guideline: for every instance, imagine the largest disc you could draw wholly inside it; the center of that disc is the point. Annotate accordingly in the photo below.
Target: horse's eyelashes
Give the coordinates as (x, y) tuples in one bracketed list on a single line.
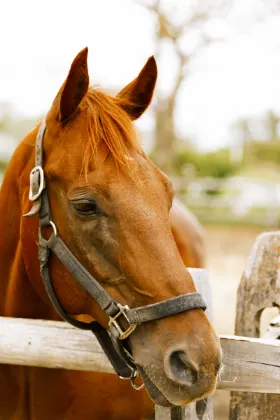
[(86, 207)]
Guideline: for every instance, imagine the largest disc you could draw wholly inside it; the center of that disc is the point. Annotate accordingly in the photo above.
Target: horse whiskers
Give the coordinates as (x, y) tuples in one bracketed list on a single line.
[(219, 380)]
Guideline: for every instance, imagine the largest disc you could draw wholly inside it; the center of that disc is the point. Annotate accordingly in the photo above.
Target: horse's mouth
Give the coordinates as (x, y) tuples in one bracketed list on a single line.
[(155, 394), (159, 396)]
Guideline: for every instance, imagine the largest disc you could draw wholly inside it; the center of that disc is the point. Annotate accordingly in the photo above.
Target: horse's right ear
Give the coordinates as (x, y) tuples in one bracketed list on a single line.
[(75, 86)]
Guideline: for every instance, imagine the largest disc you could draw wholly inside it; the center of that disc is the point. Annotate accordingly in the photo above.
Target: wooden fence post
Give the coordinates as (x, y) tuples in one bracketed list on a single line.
[(203, 409), (259, 289)]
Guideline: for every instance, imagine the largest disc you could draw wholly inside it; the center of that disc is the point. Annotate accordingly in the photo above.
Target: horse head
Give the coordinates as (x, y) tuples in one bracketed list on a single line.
[(111, 206)]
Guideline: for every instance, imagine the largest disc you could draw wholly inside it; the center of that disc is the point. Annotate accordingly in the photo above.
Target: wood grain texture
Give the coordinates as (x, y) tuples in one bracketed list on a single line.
[(50, 344), (259, 289), (249, 363)]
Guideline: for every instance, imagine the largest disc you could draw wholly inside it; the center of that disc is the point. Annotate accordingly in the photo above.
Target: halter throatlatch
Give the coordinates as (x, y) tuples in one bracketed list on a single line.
[(122, 319)]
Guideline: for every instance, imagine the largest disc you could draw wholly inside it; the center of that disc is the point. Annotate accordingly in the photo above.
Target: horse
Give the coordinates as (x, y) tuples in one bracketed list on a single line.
[(112, 208), (188, 235)]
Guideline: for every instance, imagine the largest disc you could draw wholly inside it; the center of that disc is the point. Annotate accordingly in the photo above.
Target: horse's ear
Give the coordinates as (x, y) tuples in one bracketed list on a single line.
[(139, 92), (75, 86)]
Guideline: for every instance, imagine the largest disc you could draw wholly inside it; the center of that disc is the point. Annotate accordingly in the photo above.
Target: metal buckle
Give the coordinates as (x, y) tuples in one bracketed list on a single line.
[(113, 321), (33, 196)]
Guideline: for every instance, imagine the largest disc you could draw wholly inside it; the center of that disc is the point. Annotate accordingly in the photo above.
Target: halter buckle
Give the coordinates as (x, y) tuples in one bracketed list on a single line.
[(113, 320), (37, 183)]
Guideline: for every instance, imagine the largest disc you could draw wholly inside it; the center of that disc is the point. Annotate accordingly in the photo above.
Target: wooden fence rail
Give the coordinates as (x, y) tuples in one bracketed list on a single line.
[(249, 363)]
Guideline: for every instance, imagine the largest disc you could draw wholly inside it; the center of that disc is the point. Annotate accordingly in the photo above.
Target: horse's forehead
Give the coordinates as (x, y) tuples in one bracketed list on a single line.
[(141, 179), (140, 173), (118, 188)]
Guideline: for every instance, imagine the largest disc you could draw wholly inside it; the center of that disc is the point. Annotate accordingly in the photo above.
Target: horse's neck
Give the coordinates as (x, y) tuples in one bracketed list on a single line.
[(17, 295)]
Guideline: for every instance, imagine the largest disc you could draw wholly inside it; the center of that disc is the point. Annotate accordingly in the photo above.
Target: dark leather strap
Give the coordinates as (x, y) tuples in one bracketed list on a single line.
[(36, 175), (136, 316), (69, 260), (39, 149), (169, 307), (119, 364)]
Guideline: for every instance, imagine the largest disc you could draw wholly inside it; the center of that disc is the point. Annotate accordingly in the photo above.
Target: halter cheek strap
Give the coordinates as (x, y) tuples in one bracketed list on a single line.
[(122, 319)]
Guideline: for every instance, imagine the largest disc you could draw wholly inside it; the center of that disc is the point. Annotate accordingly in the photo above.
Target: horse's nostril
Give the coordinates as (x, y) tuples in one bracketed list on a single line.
[(182, 369)]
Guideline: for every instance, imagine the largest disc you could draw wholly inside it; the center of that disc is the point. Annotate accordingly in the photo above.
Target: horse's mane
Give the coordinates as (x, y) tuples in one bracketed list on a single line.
[(108, 123)]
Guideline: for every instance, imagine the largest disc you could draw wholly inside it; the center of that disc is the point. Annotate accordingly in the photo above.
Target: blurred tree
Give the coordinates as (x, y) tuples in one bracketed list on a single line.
[(214, 164), (273, 123), (175, 29), (12, 129), (257, 148), (243, 126), (187, 31), (263, 151)]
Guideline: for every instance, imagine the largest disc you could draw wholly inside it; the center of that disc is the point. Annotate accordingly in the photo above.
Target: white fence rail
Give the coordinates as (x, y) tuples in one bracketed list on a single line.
[(249, 364)]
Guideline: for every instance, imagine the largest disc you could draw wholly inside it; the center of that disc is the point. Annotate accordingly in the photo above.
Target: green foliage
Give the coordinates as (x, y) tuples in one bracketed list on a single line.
[(213, 164), (262, 151), (182, 158), (3, 165)]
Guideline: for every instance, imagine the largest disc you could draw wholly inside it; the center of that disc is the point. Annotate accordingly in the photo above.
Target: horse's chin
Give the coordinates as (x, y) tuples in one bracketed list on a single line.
[(153, 391), (167, 394)]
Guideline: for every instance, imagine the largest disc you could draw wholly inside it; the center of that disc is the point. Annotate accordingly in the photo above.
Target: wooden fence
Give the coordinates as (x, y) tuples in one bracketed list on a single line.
[(259, 289), (249, 364)]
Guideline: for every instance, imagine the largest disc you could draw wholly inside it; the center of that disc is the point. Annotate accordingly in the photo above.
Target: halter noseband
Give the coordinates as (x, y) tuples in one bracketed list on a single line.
[(122, 319)]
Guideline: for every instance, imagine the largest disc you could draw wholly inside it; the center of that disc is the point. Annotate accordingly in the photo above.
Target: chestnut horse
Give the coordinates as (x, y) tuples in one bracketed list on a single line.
[(111, 207)]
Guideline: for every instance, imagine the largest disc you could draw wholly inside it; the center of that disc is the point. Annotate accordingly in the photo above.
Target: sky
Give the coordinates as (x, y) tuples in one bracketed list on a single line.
[(235, 78)]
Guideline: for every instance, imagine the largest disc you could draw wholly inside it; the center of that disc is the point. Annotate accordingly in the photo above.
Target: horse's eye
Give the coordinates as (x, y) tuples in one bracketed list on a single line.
[(86, 208)]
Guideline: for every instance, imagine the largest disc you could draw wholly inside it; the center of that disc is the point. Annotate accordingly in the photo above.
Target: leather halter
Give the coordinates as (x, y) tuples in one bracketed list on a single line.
[(122, 319)]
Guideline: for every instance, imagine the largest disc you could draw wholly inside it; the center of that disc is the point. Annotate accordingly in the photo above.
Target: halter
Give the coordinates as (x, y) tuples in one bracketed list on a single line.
[(122, 319)]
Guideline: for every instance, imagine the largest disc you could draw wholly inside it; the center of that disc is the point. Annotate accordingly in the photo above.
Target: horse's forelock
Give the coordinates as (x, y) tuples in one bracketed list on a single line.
[(108, 124)]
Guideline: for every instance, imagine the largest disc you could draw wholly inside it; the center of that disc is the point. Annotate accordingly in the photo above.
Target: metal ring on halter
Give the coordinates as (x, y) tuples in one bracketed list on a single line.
[(127, 378), (54, 228), (133, 377), (51, 223)]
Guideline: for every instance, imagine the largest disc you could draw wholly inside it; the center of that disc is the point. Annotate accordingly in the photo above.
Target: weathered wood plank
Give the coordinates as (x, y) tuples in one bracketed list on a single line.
[(179, 413), (259, 289), (50, 344), (249, 363)]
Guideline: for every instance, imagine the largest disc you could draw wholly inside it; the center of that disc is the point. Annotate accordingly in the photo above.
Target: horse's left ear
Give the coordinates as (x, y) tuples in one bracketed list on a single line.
[(75, 86), (139, 92)]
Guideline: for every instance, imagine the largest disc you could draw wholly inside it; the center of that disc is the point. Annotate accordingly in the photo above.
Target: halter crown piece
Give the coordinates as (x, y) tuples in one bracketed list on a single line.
[(122, 319)]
